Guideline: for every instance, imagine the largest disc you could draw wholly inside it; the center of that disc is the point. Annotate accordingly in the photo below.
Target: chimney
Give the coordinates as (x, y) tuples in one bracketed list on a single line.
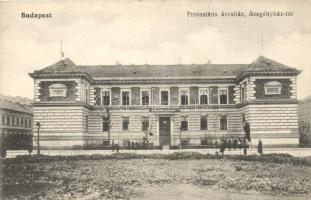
[(209, 61)]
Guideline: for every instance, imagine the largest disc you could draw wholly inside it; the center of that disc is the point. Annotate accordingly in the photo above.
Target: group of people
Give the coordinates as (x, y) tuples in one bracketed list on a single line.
[(241, 143)]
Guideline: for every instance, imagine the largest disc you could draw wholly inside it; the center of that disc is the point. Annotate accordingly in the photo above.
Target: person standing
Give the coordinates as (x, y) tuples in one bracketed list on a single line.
[(260, 147), (247, 131)]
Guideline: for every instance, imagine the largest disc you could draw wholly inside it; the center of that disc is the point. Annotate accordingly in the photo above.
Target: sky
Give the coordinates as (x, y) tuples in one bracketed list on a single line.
[(153, 32)]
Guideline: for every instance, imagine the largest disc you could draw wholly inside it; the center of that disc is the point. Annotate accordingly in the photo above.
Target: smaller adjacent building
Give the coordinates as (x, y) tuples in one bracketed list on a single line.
[(304, 110), (15, 123)]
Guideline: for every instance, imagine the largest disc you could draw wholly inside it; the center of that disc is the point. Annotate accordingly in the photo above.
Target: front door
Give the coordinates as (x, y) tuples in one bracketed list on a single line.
[(165, 130)]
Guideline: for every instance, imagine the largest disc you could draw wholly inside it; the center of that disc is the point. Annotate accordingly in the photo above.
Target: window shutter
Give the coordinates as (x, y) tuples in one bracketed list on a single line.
[(231, 94), (214, 95), (115, 96), (174, 95), (194, 95), (97, 96), (155, 95), (135, 96)]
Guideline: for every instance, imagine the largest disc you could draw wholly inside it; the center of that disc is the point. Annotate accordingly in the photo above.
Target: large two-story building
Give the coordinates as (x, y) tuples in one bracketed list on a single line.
[(84, 106)]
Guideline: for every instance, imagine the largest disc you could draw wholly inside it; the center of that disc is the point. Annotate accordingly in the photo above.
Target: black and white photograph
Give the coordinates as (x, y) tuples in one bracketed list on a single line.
[(150, 100)]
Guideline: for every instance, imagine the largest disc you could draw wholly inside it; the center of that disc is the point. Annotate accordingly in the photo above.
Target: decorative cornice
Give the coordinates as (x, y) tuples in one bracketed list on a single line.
[(61, 75), (64, 104), (168, 80), (267, 102), (267, 73), (161, 81)]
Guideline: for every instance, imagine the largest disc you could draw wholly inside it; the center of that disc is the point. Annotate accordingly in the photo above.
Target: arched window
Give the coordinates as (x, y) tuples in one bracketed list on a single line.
[(273, 87), (58, 90)]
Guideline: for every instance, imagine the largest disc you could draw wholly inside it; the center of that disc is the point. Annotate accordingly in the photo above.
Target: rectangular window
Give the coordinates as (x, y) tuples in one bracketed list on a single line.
[(8, 120), (223, 96), (3, 119), (185, 142), (145, 124), (22, 122), (242, 93), (13, 120), (145, 97), (203, 123), (105, 123), (105, 97), (125, 98), (184, 124), (164, 97), (223, 122), (204, 96), (87, 123), (184, 97), (125, 123), (17, 121)]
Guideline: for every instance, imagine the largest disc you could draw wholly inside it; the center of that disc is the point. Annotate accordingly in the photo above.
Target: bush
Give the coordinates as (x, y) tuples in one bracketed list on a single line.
[(269, 158)]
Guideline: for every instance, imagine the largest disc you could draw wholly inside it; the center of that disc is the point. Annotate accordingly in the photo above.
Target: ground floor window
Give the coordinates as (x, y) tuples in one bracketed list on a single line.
[(203, 123), (223, 122), (185, 142), (184, 124), (105, 123), (125, 123), (145, 124)]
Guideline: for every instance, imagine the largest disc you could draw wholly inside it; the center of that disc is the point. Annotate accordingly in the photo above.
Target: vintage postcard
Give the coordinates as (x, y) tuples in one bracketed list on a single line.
[(142, 99)]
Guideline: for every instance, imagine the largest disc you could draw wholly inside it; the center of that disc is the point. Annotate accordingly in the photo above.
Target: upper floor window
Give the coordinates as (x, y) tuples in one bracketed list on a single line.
[(204, 96), (164, 97), (125, 123), (273, 87), (144, 97), (184, 93), (223, 96), (8, 120), (3, 119), (243, 94), (125, 97), (57, 90), (105, 97), (223, 122)]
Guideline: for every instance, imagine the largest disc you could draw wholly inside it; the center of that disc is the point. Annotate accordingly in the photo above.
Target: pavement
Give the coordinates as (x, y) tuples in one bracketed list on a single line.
[(297, 152)]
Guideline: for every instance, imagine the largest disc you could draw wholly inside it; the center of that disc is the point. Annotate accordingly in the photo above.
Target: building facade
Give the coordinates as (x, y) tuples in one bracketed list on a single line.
[(15, 123), (87, 106), (304, 110)]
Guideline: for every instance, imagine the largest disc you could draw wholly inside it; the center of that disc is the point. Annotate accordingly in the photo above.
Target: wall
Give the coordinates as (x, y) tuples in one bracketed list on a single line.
[(273, 124), (61, 126)]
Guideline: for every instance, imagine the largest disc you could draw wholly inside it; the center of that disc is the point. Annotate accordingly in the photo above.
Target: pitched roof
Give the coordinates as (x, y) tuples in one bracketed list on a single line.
[(16, 104), (61, 66), (265, 64), (162, 71)]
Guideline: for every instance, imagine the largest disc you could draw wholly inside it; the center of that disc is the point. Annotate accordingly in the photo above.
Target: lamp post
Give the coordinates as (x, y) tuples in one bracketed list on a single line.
[(38, 125)]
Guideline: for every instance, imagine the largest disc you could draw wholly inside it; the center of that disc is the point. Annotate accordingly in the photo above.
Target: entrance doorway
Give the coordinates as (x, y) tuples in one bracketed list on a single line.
[(165, 131)]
